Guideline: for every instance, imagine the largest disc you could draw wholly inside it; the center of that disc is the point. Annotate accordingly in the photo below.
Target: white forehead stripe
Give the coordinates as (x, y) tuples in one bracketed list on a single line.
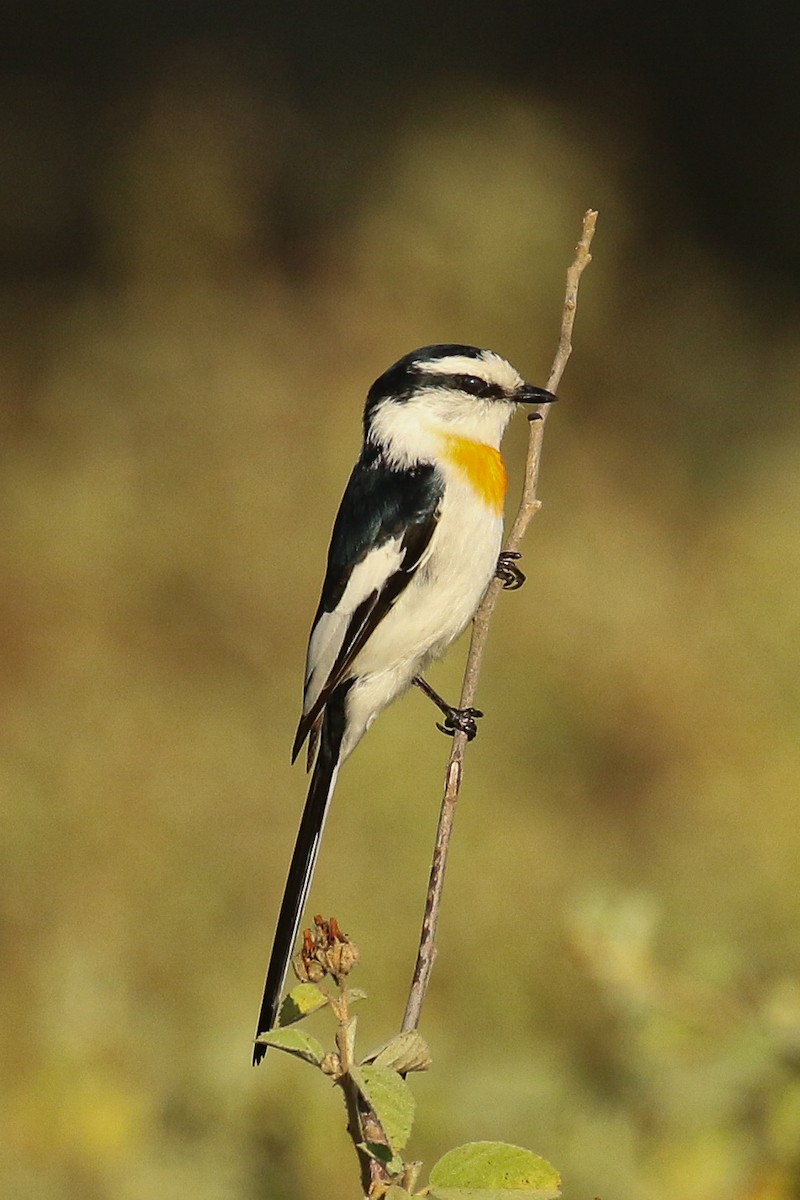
[(489, 366)]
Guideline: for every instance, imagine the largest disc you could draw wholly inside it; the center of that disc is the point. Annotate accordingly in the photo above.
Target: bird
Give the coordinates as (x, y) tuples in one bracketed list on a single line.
[(415, 543)]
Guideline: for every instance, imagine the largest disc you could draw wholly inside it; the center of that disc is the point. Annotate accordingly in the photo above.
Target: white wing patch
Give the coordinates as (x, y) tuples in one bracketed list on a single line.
[(327, 637)]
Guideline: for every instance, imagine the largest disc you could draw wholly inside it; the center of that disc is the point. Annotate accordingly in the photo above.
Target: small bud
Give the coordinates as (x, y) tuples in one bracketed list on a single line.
[(308, 970), (325, 951), (334, 932), (341, 959), (310, 965), (331, 1065)]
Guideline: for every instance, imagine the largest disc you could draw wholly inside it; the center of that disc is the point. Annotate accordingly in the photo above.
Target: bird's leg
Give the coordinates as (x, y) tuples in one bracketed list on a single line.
[(456, 720), (507, 570)]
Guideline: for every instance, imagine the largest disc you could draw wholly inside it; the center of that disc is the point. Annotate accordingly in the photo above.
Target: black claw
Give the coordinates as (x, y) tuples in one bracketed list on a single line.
[(461, 720), (456, 720), (508, 572)]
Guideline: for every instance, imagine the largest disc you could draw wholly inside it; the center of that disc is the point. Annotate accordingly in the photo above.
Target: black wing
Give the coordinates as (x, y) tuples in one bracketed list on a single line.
[(385, 522)]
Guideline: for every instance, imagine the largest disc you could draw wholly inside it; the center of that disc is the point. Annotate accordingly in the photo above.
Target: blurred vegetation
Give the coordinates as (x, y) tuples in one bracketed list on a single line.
[(201, 274)]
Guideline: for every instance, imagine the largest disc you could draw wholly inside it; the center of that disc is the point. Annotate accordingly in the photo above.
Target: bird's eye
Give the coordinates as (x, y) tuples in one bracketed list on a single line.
[(472, 384)]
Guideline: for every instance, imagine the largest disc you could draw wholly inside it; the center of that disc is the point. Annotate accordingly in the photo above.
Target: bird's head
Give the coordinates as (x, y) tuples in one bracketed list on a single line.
[(445, 389)]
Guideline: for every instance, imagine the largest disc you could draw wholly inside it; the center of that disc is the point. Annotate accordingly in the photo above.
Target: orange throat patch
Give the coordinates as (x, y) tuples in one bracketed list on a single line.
[(481, 465)]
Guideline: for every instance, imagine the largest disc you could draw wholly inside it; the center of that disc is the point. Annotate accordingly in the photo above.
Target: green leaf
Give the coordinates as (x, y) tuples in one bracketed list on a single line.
[(296, 1042), (378, 1151), (493, 1171), (390, 1098), (406, 1052), (302, 1000), (351, 995), (392, 1163)]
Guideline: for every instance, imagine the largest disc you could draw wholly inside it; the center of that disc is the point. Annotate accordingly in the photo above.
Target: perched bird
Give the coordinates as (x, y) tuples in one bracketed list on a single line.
[(415, 544)]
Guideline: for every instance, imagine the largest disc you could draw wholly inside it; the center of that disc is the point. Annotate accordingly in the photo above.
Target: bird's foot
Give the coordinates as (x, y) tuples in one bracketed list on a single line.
[(507, 570), (460, 720), (456, 720)]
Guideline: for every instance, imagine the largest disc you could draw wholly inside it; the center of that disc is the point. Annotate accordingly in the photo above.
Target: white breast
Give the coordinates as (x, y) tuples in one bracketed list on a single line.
[(435, 608)]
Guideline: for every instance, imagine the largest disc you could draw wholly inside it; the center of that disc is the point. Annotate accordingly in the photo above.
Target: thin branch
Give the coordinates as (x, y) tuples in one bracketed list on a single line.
[(529, 505)]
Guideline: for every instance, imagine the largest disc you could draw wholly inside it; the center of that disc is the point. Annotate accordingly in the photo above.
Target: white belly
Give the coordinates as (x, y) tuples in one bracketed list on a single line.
[(435, 608)]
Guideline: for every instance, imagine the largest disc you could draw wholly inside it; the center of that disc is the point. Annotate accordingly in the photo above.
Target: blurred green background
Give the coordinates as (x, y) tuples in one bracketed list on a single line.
[(218, 224)]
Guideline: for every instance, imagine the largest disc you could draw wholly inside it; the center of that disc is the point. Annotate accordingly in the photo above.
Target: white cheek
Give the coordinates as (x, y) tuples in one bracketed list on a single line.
[(411, 432)]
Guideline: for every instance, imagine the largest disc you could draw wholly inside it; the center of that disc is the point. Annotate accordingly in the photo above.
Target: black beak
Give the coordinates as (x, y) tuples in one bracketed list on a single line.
[(528, 394)]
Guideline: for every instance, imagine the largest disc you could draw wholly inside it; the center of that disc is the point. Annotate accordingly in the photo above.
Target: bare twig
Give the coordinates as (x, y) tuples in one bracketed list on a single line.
[(529, 505)]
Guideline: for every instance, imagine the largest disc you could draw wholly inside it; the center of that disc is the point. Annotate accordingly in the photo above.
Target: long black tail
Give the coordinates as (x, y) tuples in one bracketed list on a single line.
[(304, 858)]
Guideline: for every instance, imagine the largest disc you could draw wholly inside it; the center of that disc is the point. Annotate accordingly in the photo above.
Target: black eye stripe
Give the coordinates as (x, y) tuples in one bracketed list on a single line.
[(409, 375), (473, 385)]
